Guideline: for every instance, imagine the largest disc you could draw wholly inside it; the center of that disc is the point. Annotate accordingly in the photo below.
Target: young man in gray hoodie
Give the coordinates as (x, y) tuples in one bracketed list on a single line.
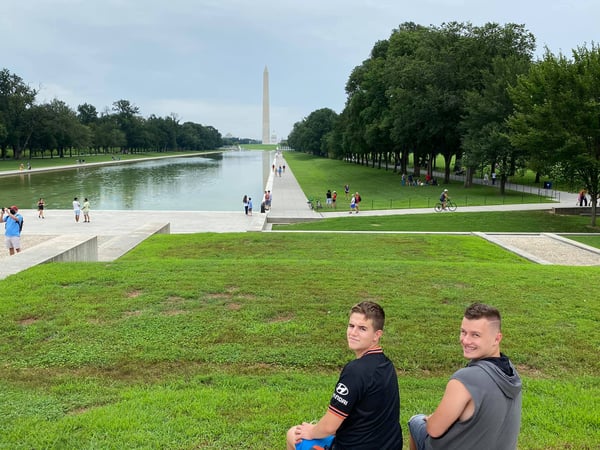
[(481, 407)]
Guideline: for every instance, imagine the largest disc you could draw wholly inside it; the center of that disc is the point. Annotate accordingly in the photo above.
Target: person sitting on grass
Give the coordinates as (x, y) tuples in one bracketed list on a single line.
[(481, 407), (364, 409)]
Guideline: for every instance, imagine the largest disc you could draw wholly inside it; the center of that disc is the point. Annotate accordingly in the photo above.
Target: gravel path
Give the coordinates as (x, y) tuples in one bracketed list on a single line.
[(548, 249)]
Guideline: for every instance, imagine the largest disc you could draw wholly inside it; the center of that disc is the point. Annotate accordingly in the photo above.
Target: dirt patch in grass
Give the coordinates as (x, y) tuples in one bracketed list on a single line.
[(28, 321), (281, 318), (218, 295), (174, 312), (529, 371)]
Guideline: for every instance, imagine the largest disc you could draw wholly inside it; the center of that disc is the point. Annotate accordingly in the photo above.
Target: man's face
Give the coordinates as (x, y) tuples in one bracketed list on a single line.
[(480, 338), (361, 334)]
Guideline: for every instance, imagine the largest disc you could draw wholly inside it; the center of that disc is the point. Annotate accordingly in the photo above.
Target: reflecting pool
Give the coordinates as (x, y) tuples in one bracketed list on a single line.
[(215, 182)]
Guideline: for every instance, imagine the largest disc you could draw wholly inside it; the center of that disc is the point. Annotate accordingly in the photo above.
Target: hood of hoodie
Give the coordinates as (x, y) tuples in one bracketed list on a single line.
[(502, 371)]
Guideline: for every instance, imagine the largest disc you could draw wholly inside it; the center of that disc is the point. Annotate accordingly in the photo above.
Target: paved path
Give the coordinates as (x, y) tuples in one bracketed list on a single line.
[(289, 204)]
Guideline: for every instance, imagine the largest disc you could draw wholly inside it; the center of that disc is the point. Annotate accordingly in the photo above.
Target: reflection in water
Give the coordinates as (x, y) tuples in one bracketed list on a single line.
[(215, 182)]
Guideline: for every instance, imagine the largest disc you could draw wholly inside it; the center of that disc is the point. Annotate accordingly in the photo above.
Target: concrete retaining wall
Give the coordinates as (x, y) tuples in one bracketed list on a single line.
[(119, 245), (58, 249), (576, 211)]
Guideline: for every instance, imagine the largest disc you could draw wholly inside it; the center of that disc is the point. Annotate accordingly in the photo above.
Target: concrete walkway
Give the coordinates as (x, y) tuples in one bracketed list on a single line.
[(116, 232), (289, 204)]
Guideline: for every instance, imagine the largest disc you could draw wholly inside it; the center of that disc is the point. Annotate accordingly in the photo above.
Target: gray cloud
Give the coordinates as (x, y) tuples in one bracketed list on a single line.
[(204, 59)]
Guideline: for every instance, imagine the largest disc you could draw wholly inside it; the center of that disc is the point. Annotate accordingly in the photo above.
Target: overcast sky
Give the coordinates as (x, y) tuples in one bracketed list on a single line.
[(204, 59)]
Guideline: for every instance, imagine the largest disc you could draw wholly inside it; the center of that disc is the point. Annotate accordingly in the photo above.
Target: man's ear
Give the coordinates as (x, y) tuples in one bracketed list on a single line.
[(378, 335), (498, 338)]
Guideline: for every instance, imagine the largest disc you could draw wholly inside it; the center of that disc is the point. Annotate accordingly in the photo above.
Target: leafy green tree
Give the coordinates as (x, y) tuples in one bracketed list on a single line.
[(411, 94), (557, 115), (108, 135), (87, 114), (367, 109), (128, 119), (57, 128), (504, 53), (310, 135), (485, 140), (16, 99)]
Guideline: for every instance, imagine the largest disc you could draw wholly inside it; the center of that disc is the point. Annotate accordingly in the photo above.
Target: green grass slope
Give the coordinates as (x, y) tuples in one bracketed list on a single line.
[(220, 341)]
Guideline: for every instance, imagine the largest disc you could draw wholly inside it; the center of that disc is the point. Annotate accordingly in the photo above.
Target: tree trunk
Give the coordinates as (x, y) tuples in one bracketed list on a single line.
[(447, 160), (503, 180), (469, 177), (593, 201)]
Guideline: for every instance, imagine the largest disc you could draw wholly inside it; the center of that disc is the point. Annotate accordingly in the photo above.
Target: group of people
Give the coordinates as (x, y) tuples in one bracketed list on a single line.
[(410, 180), (78, 209), (486, 178), (13, 221), (331, 199), (355, 203), (266, 201), (582, 198), (265, 205), (278, 170), (247, 202), (480, 408)]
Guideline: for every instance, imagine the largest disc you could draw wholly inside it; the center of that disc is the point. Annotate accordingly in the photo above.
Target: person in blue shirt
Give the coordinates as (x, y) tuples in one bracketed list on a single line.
[(13, 223)]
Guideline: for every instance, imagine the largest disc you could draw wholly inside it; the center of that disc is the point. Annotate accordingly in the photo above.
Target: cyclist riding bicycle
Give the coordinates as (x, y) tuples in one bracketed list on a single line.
[(444, 199)]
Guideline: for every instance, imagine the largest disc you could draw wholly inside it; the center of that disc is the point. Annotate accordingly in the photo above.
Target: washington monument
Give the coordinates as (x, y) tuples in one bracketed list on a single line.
[(266, 132)]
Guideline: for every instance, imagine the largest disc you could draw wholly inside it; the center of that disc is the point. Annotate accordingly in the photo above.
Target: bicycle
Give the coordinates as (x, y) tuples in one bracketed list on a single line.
[(450, 206), (314, 204)]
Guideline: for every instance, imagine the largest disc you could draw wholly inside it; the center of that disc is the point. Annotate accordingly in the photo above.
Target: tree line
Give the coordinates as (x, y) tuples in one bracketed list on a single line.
[(472, 94), (55, 129)]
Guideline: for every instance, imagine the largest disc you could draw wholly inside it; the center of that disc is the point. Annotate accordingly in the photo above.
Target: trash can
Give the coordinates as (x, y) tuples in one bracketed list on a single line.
[(547, 184), (262, 207)]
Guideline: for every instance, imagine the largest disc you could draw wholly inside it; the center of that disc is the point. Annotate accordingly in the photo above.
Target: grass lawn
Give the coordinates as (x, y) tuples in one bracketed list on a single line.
[(39, 163), (492, 221), (382, 189), (218, 341), (593, 241)]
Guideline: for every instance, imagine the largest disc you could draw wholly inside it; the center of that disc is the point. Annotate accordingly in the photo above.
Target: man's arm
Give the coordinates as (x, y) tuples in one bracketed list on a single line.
[(455, 401), (327, 426)]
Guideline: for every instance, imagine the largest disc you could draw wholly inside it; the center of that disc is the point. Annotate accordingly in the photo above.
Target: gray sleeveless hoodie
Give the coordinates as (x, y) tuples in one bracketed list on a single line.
[(496, 390)]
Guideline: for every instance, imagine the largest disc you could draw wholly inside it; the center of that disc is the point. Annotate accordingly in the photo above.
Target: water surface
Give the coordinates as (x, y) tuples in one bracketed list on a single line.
[(215, 182)]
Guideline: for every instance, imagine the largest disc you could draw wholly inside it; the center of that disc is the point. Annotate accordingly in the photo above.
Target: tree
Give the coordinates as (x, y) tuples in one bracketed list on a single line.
[(557, 114), (130, 122), (87, 114), (367, 108), (503, 53), (107, 133), (16, 98), (310, 135), (485, 130)]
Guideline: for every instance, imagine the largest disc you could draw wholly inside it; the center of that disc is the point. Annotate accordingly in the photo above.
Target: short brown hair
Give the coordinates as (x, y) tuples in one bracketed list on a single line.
[(482, 311), (372, 311)]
